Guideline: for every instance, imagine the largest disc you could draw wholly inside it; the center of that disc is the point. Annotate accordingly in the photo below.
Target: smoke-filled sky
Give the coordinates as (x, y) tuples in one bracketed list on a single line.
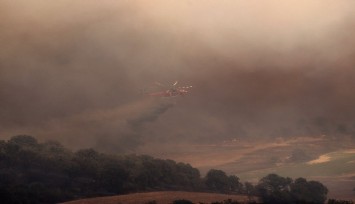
[(73, 70)]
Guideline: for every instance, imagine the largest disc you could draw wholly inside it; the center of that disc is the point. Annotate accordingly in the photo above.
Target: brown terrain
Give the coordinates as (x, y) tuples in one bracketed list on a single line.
[(164, 197)]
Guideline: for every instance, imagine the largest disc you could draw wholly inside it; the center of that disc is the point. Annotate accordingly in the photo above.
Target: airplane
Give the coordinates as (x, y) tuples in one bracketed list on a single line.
[(172, 92)]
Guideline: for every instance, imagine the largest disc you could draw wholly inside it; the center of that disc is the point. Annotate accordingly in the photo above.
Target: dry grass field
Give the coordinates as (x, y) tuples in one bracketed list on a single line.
[(164, 197)]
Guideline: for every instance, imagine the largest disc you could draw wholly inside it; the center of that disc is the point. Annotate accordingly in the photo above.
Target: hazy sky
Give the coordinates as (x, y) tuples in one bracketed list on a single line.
[(72, 70)]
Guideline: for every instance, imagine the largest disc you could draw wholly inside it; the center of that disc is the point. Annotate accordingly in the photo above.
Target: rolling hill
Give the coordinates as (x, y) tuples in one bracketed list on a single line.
[(163, 197)]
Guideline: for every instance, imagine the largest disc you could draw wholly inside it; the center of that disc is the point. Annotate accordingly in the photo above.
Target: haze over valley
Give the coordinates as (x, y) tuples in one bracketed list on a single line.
[(272, 82)]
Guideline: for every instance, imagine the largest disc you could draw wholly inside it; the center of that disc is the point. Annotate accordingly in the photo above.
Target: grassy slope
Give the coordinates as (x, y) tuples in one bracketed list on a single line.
[(164, 197)]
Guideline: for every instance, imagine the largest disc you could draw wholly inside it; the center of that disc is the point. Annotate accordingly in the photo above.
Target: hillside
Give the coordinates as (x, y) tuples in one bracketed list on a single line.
[(34, 172), (293, 157), (160, 198)]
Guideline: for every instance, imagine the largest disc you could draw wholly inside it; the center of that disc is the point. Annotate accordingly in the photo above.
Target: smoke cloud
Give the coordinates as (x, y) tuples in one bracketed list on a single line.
[(115, 130), (72, 71)]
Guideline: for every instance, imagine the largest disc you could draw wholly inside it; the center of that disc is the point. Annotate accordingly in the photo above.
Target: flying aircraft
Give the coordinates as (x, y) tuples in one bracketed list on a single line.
[(171, 92)]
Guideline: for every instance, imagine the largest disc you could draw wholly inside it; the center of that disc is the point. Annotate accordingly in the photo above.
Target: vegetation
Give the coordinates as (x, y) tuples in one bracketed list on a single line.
[(276, 189), (218, 181), (228, 201), (334, 201), (151, 202), (182, 201), (33, 172)]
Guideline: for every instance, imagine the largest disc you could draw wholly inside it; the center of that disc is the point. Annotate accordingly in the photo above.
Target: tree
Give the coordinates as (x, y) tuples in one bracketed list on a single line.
[(217, 180), (249, 190), (277, 189), (234, 184), (308, 192), (24, 141), (274, 189), (334, 201), (113, 176), (32, 172)]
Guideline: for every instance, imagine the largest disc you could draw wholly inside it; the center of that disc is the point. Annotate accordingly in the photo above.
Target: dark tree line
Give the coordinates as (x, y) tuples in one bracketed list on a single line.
[(33, 172), (218, 181), (279, 190)]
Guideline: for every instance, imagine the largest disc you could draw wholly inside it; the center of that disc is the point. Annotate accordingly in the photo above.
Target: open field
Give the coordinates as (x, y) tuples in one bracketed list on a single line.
[(164, 197)]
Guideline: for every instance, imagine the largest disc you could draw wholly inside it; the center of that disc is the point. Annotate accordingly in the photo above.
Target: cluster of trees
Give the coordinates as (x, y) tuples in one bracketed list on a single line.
[(334, 201), (33, 172), (278, 190), (218, 181)]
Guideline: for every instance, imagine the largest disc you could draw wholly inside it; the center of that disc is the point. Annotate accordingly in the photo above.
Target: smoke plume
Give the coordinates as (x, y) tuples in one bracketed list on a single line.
[(72, 71)]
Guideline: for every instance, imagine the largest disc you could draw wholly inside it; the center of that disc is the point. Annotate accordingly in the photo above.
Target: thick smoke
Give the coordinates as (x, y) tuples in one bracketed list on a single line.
[(151, 116), (259, 69), (115, 130)]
